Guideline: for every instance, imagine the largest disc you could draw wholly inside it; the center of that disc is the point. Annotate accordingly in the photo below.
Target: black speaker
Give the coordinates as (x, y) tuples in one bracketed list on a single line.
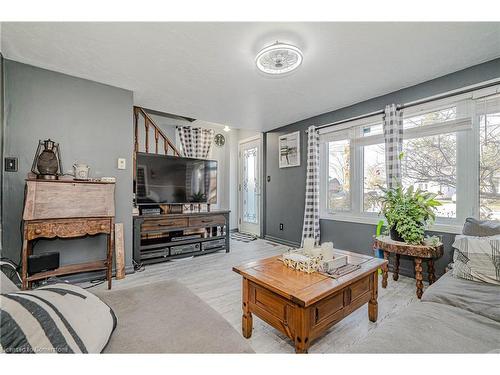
[(43, 262)]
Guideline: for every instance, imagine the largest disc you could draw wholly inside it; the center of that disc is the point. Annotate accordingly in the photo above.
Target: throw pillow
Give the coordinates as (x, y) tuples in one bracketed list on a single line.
[(481, 228), (6, 284), (477, 258), (57, 318)]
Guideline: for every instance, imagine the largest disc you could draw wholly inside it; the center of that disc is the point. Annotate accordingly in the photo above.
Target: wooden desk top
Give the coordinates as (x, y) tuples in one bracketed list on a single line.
[(304, 288), (420, 251)]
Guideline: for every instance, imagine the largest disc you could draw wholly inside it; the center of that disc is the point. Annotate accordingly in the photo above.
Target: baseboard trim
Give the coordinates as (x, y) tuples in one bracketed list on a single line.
[(281, 241)]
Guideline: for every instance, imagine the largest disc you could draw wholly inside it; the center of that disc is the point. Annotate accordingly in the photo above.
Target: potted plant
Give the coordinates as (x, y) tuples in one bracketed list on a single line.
[(408, 212)]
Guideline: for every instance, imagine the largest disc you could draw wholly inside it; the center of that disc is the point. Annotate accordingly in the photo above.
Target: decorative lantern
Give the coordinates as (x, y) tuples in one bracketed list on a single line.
[(47, 162)]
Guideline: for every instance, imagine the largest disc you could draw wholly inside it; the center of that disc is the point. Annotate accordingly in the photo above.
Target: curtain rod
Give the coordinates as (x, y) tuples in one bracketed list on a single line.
[(414, 103)]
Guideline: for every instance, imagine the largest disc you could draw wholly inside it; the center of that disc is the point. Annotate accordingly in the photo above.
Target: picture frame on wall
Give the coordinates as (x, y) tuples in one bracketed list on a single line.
[(289, 150)]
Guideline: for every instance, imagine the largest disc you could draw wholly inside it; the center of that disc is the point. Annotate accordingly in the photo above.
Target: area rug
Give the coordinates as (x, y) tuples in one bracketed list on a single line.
[(243, 237)]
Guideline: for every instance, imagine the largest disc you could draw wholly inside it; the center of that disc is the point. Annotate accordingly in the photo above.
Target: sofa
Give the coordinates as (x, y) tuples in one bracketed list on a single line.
[(454, 316)]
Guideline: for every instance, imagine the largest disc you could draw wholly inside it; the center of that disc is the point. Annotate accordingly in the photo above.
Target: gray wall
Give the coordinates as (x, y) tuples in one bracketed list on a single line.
[(93, 124), (285, 192), (2, 129)]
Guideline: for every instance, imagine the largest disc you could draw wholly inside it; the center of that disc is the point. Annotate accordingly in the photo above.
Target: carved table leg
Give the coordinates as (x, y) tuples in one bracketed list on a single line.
[(373, 304), (246, 320), (302, 341), (385, 270), (109, 256), (24, 260), (418, 277), (395, 275), (430, 271)]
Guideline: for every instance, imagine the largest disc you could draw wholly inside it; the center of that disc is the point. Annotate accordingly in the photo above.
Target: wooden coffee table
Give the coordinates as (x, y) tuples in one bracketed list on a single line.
[(303, 306)]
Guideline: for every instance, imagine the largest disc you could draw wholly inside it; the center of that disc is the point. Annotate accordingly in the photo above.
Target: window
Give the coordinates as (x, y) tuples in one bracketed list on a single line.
[(430, 159), (339, 176), (451, 147), (489, 162), (353, 155), (373, 176)]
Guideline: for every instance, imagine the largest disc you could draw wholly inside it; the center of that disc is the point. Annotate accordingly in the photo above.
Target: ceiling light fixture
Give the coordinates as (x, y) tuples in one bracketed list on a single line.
[(226, 128), (279, 58)]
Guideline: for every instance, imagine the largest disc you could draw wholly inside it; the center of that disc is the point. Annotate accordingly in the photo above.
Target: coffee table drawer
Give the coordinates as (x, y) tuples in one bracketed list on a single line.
[(327, 309), (359, 288), (269, 302)]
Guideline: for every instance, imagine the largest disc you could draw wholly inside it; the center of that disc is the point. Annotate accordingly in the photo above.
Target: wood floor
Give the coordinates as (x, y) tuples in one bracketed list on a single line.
[(211, 278)]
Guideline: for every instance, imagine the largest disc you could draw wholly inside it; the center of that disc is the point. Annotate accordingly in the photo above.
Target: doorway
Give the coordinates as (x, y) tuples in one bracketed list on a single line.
[(249, 185)]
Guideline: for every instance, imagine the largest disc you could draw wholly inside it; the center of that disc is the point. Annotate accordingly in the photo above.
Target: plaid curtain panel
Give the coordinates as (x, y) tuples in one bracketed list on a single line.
[(311, 210), (393, 135), (195, 142)]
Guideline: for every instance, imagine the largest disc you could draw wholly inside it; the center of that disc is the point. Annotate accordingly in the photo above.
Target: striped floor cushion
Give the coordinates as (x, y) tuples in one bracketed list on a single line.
[(57, 318), (477, 258)]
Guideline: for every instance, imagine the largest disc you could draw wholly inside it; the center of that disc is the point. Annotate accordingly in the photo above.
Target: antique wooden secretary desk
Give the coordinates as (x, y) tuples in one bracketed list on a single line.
[(67, 209)]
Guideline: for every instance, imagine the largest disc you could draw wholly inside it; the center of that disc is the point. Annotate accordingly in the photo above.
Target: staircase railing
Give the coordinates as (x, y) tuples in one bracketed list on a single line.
[(160, 139)]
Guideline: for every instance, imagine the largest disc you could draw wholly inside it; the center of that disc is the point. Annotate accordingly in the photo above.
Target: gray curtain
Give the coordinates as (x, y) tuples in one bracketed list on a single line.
[(393, 135), (311, 210)]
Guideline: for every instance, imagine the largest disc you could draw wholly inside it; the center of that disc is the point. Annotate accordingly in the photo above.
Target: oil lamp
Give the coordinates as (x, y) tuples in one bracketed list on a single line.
[(47, 162)]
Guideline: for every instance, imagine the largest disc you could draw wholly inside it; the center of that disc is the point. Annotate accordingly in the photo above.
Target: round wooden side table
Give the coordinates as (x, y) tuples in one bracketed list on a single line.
[(418, 252)]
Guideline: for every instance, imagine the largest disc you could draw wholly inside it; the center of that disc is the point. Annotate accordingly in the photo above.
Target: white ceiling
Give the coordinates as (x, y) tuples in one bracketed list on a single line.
[(207, 71)]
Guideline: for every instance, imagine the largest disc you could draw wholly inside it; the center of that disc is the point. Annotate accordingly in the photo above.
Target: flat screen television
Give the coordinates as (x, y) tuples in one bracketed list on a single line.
[(163, 179)]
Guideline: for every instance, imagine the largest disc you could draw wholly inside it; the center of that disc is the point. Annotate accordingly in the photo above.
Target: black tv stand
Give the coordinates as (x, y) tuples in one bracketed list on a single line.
[(159, 238)]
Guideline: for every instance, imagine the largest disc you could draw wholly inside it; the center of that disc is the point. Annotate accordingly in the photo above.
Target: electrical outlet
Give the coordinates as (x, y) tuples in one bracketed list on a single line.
[(122, 163), (281, 226), (10, 164)]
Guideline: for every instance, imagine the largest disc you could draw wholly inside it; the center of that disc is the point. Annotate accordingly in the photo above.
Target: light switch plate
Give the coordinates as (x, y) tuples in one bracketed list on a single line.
[(122, 163), (10, 164)]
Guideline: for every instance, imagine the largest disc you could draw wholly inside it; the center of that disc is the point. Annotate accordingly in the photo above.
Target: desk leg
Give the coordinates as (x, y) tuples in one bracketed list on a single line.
[(395, 275), (430, 271), (373, 304), (109, 261), (418, 277), (24, 260), (385, 270), (246, 320)]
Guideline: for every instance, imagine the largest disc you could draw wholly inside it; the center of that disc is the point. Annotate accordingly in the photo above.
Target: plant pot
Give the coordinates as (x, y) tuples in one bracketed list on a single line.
[(395, 235)]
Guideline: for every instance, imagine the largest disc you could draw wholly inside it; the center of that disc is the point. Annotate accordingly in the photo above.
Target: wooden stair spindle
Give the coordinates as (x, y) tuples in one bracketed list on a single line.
[(136, 130), (157, 135), (146, 127)]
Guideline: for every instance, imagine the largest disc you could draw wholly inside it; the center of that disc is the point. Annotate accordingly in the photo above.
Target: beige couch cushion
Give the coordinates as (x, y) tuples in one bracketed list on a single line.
[(477, 297)]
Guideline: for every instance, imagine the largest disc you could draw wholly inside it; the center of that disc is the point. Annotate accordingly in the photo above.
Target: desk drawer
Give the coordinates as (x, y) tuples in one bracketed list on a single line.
[(66, 228), (201, 221), (165, 223)]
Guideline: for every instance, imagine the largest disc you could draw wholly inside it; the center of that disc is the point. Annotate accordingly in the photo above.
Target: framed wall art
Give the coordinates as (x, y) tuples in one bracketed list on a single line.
[(289, 150)]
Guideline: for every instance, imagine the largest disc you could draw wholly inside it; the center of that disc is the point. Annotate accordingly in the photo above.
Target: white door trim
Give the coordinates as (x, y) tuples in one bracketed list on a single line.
[(241, 142)]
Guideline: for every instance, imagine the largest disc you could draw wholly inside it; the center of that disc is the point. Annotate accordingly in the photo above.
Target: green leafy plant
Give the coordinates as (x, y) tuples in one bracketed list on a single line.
[(198, 197), (409, 211)]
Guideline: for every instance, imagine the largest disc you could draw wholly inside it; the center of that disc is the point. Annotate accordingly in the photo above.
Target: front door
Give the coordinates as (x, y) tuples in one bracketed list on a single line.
[(249, 188)]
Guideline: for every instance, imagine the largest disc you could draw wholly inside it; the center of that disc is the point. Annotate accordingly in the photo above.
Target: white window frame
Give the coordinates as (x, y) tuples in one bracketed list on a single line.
[(466, 128)]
